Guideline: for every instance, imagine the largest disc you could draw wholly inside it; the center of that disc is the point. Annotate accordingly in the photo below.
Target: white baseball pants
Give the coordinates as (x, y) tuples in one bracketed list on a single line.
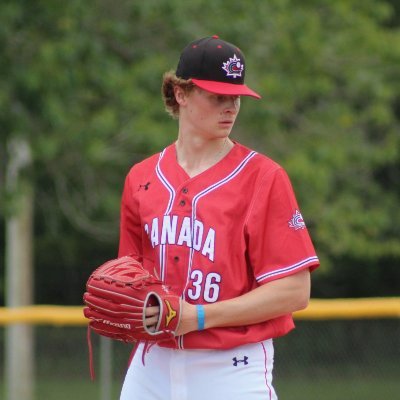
[(241, 373)]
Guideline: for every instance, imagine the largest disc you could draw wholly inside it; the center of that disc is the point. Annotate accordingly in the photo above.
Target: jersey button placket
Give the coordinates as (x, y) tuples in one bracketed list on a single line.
[(184, 191)]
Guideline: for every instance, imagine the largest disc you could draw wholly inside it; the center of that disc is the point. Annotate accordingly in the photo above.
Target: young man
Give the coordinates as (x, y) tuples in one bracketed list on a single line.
[(220, 225)]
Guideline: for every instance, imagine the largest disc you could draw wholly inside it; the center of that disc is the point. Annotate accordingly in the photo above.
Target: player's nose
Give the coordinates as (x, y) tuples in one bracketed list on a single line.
[(232, 104)]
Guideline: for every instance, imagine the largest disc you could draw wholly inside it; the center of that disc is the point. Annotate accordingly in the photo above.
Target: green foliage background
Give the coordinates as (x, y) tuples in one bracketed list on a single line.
[(81, 82)]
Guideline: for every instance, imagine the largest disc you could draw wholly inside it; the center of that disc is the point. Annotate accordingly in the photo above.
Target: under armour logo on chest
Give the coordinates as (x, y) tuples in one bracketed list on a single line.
[(236, 361), (145, 186)]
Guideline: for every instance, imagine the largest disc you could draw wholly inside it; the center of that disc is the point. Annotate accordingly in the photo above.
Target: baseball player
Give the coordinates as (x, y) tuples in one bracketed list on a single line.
[(219, 224)]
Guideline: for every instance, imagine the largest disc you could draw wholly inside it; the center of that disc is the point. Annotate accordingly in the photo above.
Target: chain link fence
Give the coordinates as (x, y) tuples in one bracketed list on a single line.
[(320, 360)]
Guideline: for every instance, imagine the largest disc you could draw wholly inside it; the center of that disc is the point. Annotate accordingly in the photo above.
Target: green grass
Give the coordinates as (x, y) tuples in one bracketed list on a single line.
[(337, 389), (291, 389), (69, 389)]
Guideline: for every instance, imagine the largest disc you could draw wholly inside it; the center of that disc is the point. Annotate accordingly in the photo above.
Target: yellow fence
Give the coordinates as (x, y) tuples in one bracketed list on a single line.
[(344, 349), (318, 309)]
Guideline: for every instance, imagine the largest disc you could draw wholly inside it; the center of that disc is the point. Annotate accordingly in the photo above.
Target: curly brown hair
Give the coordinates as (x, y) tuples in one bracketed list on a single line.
[(170, 80)]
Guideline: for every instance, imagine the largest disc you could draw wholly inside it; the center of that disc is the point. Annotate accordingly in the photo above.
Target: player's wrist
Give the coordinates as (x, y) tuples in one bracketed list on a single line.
[(188, 322), (200, 317)]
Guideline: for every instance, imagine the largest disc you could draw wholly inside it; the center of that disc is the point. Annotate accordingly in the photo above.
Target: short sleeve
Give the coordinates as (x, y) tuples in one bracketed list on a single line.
[(130, 242), (278, 243)]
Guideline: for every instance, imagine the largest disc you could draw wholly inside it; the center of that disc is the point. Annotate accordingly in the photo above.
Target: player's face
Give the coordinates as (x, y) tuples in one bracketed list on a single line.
[(209, 115)]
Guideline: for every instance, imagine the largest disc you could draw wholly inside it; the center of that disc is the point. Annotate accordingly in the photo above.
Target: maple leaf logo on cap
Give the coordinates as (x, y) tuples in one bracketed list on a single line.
[(233, 67)]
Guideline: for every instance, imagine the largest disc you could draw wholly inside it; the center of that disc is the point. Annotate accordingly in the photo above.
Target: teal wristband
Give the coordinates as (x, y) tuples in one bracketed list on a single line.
[(200, 317)]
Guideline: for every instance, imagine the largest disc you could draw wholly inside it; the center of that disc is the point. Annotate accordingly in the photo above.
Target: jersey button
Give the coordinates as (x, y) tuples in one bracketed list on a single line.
[(185, 190), (176, 258), (182, 203)]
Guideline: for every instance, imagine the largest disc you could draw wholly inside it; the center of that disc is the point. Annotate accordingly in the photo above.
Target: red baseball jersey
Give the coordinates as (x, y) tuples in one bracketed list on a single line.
[(217, 235)]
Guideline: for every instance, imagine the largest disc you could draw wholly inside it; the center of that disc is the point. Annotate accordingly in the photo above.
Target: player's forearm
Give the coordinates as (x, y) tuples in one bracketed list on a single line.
[(269, 301), (276, 298)]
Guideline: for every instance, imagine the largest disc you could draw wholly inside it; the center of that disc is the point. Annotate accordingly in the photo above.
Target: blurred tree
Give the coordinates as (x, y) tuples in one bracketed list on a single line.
[(394, 19), (83, 87), (78, 91), (332, 119)]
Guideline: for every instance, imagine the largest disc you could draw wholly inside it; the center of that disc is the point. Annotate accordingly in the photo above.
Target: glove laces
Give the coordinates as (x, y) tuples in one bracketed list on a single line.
[(146, 349)]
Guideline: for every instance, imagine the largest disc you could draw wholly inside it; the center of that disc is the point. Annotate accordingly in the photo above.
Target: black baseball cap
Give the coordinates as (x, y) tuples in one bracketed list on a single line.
[(215, 66)]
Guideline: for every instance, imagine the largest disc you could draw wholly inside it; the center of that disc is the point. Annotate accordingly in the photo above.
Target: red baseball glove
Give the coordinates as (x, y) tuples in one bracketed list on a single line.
[(117, 295)]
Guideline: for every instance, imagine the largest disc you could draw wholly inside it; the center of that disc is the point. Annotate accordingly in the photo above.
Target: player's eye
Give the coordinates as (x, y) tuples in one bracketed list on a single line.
[(224, 98)]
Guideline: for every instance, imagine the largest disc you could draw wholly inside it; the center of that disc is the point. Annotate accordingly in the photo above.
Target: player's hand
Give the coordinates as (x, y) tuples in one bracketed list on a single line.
[(152, 314), (188, 322)]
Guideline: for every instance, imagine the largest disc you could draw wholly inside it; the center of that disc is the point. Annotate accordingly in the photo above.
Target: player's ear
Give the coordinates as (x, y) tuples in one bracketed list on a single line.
[(180, 95)]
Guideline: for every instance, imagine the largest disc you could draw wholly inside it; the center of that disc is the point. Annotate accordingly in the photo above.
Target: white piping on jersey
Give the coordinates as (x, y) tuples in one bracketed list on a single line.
[(204, 192), (195, 200), (224, 180), (161, 257), (164, 180), (172, 195), (290, 268)]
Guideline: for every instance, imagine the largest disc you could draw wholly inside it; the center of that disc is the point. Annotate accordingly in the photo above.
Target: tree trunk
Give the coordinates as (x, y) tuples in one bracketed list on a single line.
[(19, 365)]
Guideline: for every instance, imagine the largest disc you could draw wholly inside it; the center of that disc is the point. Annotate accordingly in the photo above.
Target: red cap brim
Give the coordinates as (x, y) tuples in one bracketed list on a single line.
[(229, 89)]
